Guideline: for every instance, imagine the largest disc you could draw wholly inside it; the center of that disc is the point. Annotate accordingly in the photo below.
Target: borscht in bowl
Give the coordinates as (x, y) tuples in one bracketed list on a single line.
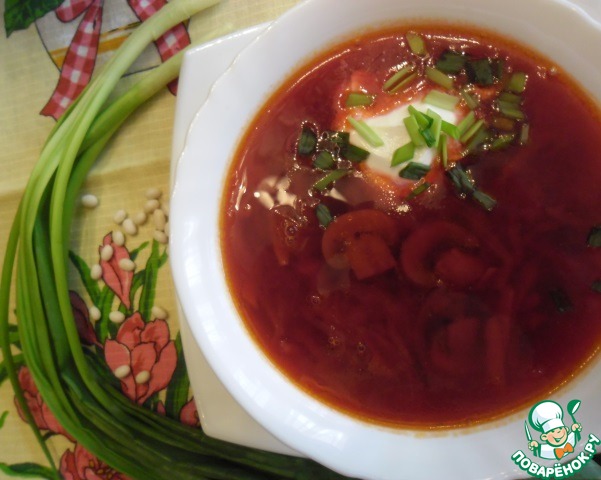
[(388, 238)]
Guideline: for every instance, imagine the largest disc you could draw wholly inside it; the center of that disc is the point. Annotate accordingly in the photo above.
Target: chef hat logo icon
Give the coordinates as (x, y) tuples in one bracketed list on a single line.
[(556, 439)]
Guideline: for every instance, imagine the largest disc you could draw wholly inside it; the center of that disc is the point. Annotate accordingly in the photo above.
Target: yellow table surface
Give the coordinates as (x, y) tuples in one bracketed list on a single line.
[(137, 160)]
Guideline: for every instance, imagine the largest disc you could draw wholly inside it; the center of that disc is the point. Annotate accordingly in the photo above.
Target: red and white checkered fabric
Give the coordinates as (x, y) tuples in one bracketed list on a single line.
[(79, 62), (172, 41)]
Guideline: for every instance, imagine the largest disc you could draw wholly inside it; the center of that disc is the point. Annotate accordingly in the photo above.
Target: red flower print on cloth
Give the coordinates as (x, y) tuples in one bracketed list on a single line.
[(188, 415), (82, 319), (142, 356), (80, 464), (80, 59), (117, 279), (43, 417)]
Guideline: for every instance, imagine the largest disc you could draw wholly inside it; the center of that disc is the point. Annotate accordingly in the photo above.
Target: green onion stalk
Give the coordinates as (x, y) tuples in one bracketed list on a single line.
[(77, 389)]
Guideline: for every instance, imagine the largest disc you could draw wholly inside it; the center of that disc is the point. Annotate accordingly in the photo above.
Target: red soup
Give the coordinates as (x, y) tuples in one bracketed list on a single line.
[(457, 283)]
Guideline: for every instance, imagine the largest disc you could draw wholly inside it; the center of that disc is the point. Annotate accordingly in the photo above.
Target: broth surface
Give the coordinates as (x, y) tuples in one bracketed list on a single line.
[(484, 311)]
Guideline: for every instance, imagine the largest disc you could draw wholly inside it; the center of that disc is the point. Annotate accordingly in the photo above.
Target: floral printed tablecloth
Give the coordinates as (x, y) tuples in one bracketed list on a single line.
[(126, 312)]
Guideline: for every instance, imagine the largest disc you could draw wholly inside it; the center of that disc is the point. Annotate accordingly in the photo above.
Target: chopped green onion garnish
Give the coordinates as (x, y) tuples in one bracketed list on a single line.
[(324, 216), (594, 237), (451, 62), (366, 132), (340, 139), (470, 100), (419, 189), (403, 154), (517, 82), (423, 120), (464, 185), (353, 153), (561, 300), (324, 160), (510, 98), (439, 78), (485, 200), (307, 142), (498, 68), (444, 155), (471, 131), (428, 136), (524, 133), (502, 141), (480, 72), (478, 139), (397, 77), (359, 99), (325, 181), (461, 180), (503, 123), (416, 44), (403, 83), (441, 99), (450, 129), (436, 126), (466, 123), (596, 286), (510, 110), (414, 171), (413, 129)]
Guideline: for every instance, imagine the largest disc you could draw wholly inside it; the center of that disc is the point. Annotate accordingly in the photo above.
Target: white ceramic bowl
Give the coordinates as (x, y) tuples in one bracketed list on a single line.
[(555, 28)]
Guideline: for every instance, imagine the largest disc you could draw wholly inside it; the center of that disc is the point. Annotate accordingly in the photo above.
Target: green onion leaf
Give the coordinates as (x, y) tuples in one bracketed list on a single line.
[(510, 98), (472, 131), (451, 62), (324, 160), (414, 171), (561, 300), (510, 110), (502, 141), (485, 200), (470, 100), (441, 99), (596, 286), (478, 139), (413, 129), (444, 155), (419, 190), (439, 78), (392, 84), (366, 132), (517, 82), (429, 138), (503, 123), (524, 133), (450, 129), (416, 44), (403, 154), (353, 153), (423, 120), (480, 72), (461, 180), (436, 126), (359, 99), (324, 216), (307, 142), (466, 123), (594, 237), (325, 181)]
